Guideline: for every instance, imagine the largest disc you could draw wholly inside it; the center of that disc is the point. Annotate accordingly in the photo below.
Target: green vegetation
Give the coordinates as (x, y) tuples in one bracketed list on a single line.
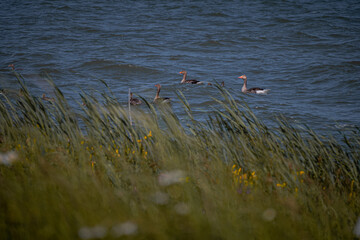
[(95, 174)]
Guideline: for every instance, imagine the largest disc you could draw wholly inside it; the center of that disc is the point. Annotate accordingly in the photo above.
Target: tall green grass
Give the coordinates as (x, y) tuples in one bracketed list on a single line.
[(100, 173)]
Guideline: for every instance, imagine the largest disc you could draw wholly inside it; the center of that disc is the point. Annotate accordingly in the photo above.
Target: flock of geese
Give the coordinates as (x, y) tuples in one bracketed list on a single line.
[(158, 99)]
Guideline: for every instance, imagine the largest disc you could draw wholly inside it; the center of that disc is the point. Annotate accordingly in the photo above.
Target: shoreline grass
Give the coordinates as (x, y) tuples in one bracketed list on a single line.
[(95, 174)]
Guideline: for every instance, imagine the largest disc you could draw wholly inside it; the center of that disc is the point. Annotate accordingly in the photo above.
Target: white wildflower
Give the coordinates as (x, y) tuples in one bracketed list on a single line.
[(182, 208), (8, 158), (92, 232), (357, 228), (126, 228), (269, 214), (171, 177), (161, 198)]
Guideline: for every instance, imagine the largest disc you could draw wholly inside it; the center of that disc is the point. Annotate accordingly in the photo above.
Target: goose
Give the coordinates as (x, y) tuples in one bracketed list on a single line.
[(256, 90), (44, 97), (192, 81), (134, 101), (157, 98)]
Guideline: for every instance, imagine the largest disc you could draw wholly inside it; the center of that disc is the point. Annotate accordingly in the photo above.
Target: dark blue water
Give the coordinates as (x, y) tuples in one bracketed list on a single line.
[(306, 52)]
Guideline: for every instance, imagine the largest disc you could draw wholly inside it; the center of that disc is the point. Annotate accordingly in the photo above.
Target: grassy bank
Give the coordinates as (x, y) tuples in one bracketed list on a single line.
[(94, 174)]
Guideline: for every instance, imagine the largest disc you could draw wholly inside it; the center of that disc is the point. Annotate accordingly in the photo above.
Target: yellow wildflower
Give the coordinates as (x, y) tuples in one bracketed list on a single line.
[(233, 167), (92, 165), (139, 141), (82, 142), (149, 135), (300, 173), (351, 189), (145, 137), (281, 185)]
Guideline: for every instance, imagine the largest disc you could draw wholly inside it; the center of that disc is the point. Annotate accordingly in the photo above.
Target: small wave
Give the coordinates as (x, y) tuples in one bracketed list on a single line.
[(216, 14), (5, 70), (86, 29), (355, 63), (211, 43), (327, 70), (345, 126), (319, 69), (261, 107), (129, 68), (50, 70), (282, 20), (64, 8), (44, 65), (337, 35), (96, 62), (176, 57), (253, 40), (194, 7), (352, 84), (113, 66), (302, 35), (46, 37), (46, 57), (204, 103)]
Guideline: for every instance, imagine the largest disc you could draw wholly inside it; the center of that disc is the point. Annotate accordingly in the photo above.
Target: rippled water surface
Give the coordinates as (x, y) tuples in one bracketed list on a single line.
[(306, 52)]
